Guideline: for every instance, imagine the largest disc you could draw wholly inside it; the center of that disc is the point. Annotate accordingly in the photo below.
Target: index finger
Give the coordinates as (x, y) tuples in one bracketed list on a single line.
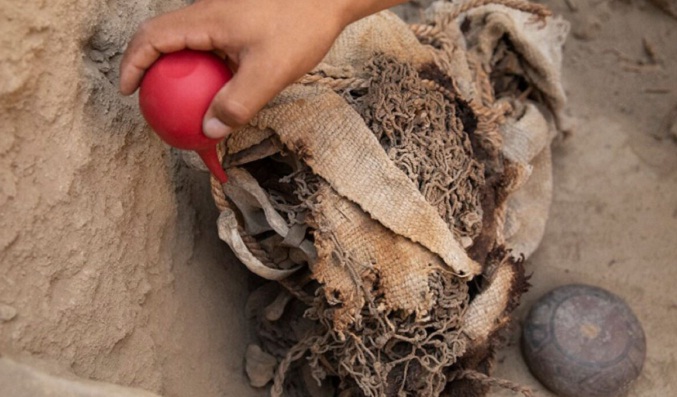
[(166, 33)]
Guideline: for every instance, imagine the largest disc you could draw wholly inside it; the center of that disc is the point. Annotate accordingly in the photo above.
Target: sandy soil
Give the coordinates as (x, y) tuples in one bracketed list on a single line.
[(109, 262), (614, 215)]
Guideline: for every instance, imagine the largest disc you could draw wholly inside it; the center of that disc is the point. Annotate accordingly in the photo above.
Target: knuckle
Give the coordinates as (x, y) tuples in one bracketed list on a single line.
[(145, 27)]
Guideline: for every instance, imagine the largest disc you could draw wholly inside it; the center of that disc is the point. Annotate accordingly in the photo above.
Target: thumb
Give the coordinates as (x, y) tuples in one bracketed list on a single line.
[(256, 82)]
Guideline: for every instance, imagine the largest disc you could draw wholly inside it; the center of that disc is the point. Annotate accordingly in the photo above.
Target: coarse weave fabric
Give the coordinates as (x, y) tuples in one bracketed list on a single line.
[(393, 193)]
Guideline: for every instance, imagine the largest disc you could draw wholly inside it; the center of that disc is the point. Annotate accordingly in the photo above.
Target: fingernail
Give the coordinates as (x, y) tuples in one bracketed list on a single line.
[(215, 129)]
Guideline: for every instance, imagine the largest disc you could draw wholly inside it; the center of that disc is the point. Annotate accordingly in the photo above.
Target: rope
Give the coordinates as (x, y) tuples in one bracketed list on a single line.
[(336, 84), (539, 10), (223, 203), (482, 81), (295, 353), (218, 194), (432, 31), (424, 30), (491, 381)]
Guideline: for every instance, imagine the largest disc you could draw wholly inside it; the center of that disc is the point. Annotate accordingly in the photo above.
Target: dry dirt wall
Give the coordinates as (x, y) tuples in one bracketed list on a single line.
[(100, 267)]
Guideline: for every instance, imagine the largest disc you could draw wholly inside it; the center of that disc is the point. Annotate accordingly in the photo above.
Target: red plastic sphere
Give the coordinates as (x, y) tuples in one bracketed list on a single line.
[(176, 92)]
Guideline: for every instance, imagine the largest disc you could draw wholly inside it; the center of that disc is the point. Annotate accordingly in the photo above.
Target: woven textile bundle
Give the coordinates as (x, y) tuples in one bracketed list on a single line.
[(392, 195)]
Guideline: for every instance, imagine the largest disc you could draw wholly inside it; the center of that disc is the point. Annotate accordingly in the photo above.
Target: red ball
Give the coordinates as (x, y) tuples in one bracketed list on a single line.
[(175, 94)]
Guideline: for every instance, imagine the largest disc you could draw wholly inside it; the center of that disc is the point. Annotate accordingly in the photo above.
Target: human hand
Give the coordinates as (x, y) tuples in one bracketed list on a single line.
[(269, 44)]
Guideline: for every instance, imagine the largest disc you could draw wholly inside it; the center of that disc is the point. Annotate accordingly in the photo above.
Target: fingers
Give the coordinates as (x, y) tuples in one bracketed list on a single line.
[(167, 33), (138, 57), (258, 80)]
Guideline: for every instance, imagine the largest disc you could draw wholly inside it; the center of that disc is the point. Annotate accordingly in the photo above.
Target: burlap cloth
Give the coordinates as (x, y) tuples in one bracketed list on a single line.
[(394, 192)]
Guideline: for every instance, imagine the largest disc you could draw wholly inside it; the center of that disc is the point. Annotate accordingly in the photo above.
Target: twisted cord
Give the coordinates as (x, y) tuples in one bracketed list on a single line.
[(431, 31), (538, 10), (295, 353), (336, 84), (223, 203)]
